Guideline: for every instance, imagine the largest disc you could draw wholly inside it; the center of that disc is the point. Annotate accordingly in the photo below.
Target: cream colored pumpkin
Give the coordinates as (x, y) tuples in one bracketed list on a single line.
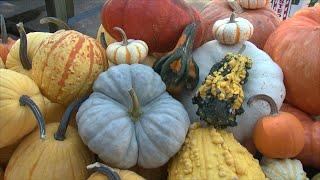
[(128, 51), (1, 64), (253, 4), (286, 169), (232, 30)]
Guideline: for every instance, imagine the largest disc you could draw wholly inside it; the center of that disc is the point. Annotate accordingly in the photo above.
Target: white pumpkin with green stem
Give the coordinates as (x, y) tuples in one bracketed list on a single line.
[(264, 77), (130, 119)]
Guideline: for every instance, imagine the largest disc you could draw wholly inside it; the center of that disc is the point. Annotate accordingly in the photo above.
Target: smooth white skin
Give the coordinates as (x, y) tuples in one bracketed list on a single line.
[(106, 126), (265, 77)]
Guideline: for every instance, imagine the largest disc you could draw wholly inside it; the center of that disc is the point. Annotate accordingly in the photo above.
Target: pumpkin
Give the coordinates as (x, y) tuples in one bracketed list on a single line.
[(128, 51), (253, 4), (58, 154), (309, 156), (103, 172), (6, 153), (159, 23), (265, 77), (5, 41), (209, 153), (232, 30), (53, 111), (299, 60), (104, 37), (264, 20), (159, 173), (130, 119), (2, 66), (23, 50), (279, 135), (283, 169), (20, 101), (66, 65), (178, 69)]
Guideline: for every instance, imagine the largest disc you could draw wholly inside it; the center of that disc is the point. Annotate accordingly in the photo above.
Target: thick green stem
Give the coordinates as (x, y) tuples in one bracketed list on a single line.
[(104, 169), (62, 129), (61, 24), (123, 35), (27, 101), (235, 6), (4, 34), (135, 109), (266, 98), (103, 40), (23, 48)]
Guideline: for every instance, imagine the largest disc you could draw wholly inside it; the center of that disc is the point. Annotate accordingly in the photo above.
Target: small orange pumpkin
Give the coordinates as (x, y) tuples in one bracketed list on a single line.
[(278, 135), (6, 42)]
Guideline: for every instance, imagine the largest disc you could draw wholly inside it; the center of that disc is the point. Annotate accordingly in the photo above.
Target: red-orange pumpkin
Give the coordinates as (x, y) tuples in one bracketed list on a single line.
[(264, 20), (310, 154), (159, 23), (295, 47), (5, 41)]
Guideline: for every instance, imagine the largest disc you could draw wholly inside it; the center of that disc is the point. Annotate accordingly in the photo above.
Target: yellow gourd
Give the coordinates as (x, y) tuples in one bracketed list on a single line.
[(213, 154)]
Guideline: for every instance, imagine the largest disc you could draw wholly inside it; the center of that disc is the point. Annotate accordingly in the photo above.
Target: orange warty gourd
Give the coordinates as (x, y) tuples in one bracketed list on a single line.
[(278, 135), (309, 156), (5, 41), (295, 47)]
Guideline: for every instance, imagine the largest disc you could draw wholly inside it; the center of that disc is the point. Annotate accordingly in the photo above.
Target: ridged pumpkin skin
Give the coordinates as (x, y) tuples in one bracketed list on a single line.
[(34, 40), (6, 153), (159, 23), (50, 159), (16, 121), (264, 21), (66, 65), (123, 174), (213, 154), (300, 60), (283, 169)]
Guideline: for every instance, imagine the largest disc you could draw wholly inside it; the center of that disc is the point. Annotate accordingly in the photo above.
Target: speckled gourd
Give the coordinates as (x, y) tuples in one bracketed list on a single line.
[(213, 154)]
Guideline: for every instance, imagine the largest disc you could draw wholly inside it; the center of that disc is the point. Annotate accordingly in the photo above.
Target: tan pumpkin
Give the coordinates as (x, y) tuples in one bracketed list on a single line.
[(253, 4), (104, 37), (20, 100), (6, 153)]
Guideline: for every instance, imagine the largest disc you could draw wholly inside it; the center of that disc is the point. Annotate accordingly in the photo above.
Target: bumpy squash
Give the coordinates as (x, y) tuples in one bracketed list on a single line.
[(213, 154), (5, 41)]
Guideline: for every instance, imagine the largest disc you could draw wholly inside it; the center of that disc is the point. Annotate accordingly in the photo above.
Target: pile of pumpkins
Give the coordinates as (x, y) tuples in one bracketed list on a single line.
[(230, 92)]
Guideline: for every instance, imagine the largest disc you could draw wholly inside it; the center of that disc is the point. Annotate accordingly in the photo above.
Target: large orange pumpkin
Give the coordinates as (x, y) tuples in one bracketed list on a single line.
[(295, 47), (310, 154), (5, 41), (159, 23), (264, 20)]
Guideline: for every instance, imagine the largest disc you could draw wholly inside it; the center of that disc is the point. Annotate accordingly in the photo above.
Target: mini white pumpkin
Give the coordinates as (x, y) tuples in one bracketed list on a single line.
[(127, 51), (253, 4), (130, 119), (232, 30)]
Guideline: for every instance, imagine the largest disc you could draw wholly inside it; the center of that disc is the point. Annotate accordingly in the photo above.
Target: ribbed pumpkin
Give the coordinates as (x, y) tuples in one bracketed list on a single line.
[(213, 154), (6, 153), (300, 61), (20, 100), (159, 23), (5, 41), (104, 37), (264, 20), (58, 153)]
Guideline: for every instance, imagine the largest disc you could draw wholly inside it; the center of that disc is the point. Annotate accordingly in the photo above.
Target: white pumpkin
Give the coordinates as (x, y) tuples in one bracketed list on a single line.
[(144, 126), (253, 4)]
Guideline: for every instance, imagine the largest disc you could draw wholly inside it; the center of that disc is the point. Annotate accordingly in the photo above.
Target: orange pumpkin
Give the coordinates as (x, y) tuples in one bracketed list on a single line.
[(278, 135), (295, 47), (6, 42), (310, 154), (264, 20)]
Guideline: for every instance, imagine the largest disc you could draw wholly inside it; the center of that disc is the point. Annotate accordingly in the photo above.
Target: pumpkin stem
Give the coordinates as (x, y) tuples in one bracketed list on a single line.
[(55, 21), (268, 99), (23, 49), (235, 6), (135, 109), (60, 134), (27, 101), (103, 40), (4, 34), (232, 18), (104, 169), (123, 35)]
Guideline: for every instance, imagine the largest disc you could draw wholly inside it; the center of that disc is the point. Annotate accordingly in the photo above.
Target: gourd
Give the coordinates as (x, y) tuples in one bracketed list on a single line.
[(130, 119), (104, 172), (283, 169), (264, 77), (128, 51), (299, 60), (309, 154), (66, 65), (20, 101), (178, 69), (58, 154), (210, 153), (5, 41), (253, 4), (278, 135), (6, 153), (104, 37), (159, 23), (264, 20)]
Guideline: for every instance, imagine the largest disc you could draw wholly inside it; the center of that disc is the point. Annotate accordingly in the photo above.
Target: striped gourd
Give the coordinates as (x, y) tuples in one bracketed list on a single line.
[(66, 65), (128, 51), (253, 4)]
